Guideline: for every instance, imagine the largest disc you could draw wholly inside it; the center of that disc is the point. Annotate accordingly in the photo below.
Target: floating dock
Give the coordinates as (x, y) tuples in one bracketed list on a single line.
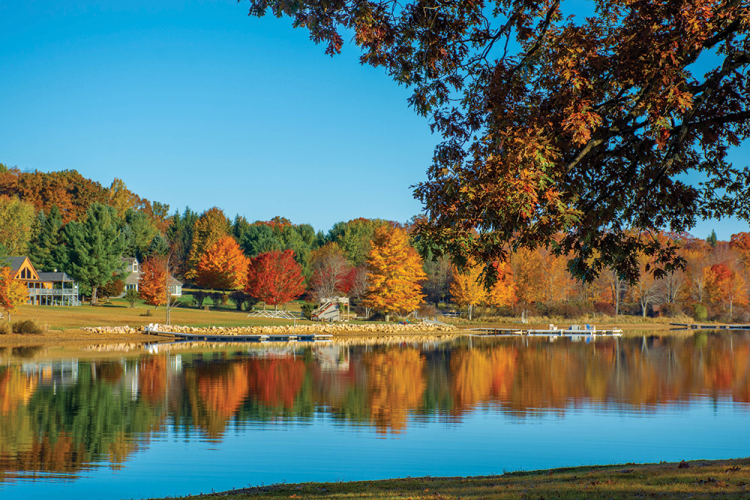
[(696, 326), (258, 338)]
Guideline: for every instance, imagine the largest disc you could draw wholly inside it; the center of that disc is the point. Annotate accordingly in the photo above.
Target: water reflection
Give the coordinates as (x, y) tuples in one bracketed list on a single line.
[(63, 417)]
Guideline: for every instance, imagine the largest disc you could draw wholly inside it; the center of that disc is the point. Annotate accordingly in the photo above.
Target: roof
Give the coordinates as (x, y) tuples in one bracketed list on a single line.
[(133, 279), (56, 277), (129, 260), (174, 281), (15, 263)]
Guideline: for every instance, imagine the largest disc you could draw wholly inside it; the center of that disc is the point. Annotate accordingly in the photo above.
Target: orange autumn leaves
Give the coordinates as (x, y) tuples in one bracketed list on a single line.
[(468, 290), (223, 266), (394, 271)]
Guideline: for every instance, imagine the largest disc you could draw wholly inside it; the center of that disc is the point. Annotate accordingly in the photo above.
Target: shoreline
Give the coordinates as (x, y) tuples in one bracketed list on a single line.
[(696, 479), (348, 333)]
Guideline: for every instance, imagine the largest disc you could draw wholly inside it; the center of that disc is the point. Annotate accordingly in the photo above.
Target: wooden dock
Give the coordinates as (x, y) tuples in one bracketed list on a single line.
[(258, 338), (696, 326)]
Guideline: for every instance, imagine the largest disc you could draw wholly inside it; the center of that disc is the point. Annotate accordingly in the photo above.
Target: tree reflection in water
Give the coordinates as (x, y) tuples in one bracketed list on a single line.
[(58, 418)]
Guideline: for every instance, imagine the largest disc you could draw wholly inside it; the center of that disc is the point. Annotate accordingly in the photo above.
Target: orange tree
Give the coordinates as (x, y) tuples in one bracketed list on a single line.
[(223, 266), (12, 292), (210, 227), (394, 272), (275, 278), (553, 123), (152, 284)]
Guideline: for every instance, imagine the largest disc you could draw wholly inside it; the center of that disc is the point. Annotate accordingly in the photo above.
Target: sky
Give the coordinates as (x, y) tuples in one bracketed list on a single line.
[(193, 103)]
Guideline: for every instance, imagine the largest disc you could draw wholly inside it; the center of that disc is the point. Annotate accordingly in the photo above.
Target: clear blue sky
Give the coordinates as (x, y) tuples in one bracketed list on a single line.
[(191, 102)]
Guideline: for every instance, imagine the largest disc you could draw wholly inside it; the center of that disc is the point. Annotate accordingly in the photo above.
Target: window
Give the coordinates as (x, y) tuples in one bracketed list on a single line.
[(135, 267)]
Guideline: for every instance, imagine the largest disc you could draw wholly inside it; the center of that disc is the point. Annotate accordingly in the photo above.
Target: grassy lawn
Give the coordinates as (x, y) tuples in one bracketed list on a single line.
[(728, 479), (120, 313)]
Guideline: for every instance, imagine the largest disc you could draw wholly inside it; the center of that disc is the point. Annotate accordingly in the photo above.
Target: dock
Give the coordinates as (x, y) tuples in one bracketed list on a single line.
[(697, 326), (574, 331), (257, 338)]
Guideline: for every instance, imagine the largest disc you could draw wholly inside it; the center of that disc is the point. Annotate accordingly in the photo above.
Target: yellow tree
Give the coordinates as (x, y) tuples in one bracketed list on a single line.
[(503, 293), (394, 272), (223, 266), (467, 288), (208, 229), (13, 293)]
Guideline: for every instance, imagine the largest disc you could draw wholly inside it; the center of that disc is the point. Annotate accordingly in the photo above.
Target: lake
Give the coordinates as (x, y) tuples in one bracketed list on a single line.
[(173, 420)]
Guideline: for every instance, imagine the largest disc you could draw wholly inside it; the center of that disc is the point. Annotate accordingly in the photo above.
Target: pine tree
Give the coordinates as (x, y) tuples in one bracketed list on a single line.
[(47, 251), (394, 271), (94, 247)]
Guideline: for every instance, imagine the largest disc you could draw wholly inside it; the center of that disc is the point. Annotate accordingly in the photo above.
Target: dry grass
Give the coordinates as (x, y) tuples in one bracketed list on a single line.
[(728, 479)]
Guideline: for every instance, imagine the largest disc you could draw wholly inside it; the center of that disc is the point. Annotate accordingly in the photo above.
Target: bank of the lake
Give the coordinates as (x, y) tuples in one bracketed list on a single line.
[(699, 479)]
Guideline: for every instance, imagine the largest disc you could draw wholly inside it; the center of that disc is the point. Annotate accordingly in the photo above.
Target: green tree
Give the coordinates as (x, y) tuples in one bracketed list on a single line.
[(95, 247), (47, 251), (138, 232), (259, 239), (16, 223)]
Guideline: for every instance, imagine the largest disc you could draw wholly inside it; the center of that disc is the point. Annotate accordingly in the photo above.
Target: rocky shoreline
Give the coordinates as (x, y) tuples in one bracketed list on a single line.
[(336, 329)]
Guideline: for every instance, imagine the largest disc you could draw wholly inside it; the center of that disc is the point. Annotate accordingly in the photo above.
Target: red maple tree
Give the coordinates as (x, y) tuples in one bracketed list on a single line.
[(275, 278)]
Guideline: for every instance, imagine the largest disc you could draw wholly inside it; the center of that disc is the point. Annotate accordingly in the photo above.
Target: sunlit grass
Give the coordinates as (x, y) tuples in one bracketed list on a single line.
[(728, 479)]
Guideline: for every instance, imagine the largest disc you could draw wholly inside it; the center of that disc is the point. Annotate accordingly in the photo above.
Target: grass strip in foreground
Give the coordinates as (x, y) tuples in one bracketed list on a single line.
[(700, 479)]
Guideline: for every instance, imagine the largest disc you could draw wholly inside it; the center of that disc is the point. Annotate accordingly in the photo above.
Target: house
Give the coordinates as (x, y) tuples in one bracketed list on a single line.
[(45, 289), (131, 281)]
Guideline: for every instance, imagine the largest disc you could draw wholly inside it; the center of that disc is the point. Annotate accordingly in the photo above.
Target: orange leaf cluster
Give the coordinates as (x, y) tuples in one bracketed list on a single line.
[(223, 266)]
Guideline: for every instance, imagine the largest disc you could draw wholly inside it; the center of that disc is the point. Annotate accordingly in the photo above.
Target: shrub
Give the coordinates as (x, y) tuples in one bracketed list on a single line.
[(113, 288), (131, 296), (427, 311), (5, 328), (239, 298), (567, 311), (28, 326), (199, 297), (219, 299), (307, 309), (604, 308), (699, 312), (670, 310)]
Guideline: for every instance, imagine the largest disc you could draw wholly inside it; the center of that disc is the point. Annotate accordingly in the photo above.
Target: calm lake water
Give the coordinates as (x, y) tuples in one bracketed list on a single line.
[(177, 421)]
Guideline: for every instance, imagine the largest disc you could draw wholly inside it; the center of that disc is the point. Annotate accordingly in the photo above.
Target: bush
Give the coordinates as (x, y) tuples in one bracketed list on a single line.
[(114, 288), (5, 328), (307, 309), (28, 326), (199, 297), (670, 310), (567, 311), (131, 296), (604, 308), (699, 312), (239, 298), (219, 299), (427, 311)]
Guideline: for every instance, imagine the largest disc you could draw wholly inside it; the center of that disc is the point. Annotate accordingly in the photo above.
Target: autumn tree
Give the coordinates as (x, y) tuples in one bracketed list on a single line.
[(394, 271), (94, 247), (467, 288), (121, 198), (223, 266), (503, 292), (208, 229), (726, 286), (332, 275), (275, 278), (152, 283), (13, 292), (355, 238), (559, 123), (16, 222)]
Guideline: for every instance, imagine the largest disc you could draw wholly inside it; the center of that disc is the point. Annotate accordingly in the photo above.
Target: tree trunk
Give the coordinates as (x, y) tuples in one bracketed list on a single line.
[(471, 307), (93, 295)]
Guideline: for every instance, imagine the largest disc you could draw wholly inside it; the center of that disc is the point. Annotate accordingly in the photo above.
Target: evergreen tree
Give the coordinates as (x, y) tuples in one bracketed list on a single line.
[(712, 238), (47, 251), (95, 247)]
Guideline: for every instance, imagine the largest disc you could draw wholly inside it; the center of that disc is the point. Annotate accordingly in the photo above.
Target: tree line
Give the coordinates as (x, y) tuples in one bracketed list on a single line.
[(66, 222)]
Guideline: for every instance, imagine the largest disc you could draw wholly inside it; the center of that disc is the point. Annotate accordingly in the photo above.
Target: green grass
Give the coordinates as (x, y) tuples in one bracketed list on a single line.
[(728, 479)]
